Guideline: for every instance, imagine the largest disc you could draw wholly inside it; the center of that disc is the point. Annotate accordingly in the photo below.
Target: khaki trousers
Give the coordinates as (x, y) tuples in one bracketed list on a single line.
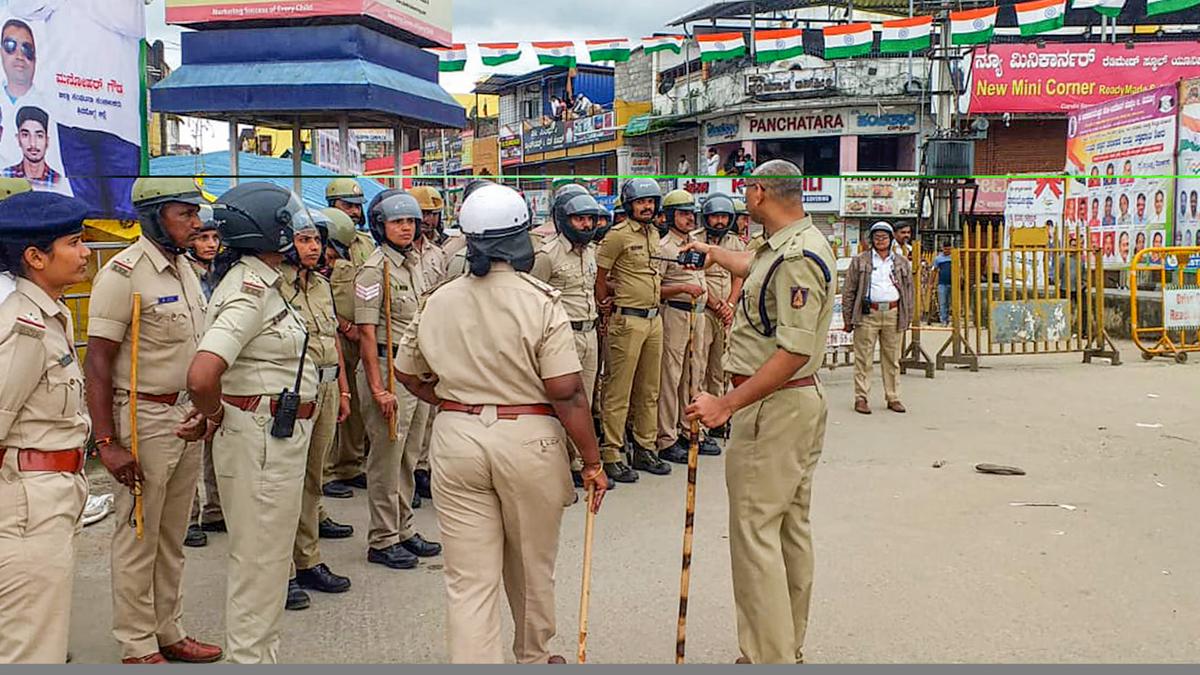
[(631, 385), (306, 552), (427, 413), (261, 480), (773, 452), (587, 347), (39, 518), (147, 575), (206, 507), (679, 377), (390, 466), (881, 328), (500, 487), (716, 336), (349, 455)]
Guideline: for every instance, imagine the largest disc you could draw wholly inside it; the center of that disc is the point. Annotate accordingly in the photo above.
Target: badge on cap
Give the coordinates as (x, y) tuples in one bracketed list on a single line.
[(799, 297)]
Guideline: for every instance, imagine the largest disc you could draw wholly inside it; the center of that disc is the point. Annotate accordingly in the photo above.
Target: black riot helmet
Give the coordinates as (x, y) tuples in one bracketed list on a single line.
[(260, 217), (396, 207), (718, 204), (640, 188), (604, 222), (567, 206)]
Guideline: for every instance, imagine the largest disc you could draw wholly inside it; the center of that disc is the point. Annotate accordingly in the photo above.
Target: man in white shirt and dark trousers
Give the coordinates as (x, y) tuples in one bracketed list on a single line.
[(877, 303)]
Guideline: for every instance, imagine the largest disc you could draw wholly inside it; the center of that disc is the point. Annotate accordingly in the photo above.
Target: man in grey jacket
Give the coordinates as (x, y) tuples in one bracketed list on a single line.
[(877, 306)]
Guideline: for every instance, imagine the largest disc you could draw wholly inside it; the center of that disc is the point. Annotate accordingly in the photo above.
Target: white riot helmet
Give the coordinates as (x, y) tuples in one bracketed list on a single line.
[(495, 220)]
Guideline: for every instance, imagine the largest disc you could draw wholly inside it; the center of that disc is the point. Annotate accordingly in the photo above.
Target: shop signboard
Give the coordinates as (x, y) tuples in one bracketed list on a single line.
[(430, 19), (880, 197), (807, 123), (511, 151), (821, 195), (805, 81)]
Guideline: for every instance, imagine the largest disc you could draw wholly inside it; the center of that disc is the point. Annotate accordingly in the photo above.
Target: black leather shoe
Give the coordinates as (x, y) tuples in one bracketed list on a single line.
[(645, 460), (329, 529), (394, 556), (320, 578), (619, 472), (709, 448), (417, 546), (677, 454), (359, 481), (422, 478), (195, 537), (336, 489), (214, 526), (297, 599)]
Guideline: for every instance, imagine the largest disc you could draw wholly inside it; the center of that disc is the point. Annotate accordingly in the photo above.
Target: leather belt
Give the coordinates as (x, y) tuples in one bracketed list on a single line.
[(685, 306), (884, 306), (800, 382), (504, 412), (382, 350), (47, 461), (166, 399), (250, 404), (327, 374), (643, 313), (583, 326)]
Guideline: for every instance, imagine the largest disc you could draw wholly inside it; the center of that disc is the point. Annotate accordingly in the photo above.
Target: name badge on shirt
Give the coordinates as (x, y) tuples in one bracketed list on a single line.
[(168, 299), (66, 360)]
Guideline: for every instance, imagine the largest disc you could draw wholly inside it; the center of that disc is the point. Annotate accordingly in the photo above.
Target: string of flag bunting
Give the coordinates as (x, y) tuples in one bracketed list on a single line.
[(967, 28)]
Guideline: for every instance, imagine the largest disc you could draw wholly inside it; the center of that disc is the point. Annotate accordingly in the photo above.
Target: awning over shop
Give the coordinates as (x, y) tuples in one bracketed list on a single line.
[(643, 125)]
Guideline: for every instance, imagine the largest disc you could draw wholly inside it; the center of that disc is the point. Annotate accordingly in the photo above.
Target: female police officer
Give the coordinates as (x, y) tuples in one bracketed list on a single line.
[(251, 351)]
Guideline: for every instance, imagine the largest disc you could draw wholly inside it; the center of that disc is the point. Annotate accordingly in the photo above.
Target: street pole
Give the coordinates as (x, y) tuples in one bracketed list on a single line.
[(297, 156), (398, 147), (233, 152)]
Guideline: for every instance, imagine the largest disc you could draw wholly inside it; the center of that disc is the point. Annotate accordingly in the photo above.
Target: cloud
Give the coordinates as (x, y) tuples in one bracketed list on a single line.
[(566, 18)]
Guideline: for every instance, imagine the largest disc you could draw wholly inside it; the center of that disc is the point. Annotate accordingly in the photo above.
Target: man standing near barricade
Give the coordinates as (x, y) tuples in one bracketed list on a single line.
[(147, 571), (683, 300), (778, 410), (382, 314), (627, 285), (877, 307), (717, 217)]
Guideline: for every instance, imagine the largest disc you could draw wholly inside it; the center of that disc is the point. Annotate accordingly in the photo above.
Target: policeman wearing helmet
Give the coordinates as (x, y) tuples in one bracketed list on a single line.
[(717, 217)]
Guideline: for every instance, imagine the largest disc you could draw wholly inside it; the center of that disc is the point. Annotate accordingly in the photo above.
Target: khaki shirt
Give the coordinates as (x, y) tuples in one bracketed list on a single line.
[(41, 394), (407, 285), (361, 248), (572, 272), (491, 340), (433, 264), (172, 322), (625, 253), (719, 279), (342, 280), (673, 273), (253, 329), (799, 302), (315, 304)]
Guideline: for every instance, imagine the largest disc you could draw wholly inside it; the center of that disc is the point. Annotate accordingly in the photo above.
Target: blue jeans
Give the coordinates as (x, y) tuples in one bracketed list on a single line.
[(944, 302)]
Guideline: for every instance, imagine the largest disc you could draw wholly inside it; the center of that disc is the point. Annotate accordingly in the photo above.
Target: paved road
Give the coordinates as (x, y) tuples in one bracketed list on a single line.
[(915, 564)]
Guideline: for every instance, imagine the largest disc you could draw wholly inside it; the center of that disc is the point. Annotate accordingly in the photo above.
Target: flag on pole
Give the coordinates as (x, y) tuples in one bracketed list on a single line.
[(609, 50), (1154, 7), (1105, 7), (721, 46), (1040, 16), (663, 43), (776, 45), (561, 54), (499, 53), (851, 39), (906, 35), (973, 26), (452, 59)]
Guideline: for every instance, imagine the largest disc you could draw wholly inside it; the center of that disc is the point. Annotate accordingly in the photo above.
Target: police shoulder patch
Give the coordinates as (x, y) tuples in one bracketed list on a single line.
[(29, 325), (799, 297), (124, 262), (252, 284), (542, 286)]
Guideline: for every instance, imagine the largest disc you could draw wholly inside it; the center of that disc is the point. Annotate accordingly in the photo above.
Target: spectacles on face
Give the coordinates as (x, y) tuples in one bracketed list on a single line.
[(27, 49)]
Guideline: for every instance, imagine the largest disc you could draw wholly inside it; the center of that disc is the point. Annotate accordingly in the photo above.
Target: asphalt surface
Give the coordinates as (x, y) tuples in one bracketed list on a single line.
[(914, 563)]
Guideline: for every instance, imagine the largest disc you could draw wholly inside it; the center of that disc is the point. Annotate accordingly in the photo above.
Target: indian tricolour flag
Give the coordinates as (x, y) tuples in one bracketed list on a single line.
[(721, 46), (1041, 16), (663, 43), (906, 35), (617, 50), (973, 26), (499, 53), (561, 54), (776, 45), (1163, 6), (851, 39), (1105, 7), (452, 59)]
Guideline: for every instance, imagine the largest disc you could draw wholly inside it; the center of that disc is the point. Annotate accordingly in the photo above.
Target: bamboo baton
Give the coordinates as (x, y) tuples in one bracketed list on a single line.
[(685, 575), (135, 328), (586, 593), (387, 321)]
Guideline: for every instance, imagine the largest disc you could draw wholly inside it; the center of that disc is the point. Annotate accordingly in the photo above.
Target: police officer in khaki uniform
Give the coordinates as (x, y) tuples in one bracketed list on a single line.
[(778, 409), (251, 353), (717, 217), (567, 261), (428, 245), (683, 299), (147, 573), (392, 540), (206, 513), (627, 285), (496, 352), (310, 293), (43, 425)]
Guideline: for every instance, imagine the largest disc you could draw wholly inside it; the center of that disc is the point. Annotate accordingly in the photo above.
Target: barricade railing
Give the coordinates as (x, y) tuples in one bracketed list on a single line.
[(1174, 275)]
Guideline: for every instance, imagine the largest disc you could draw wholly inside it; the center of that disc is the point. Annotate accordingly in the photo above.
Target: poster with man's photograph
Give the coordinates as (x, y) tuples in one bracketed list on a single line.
[(69, 117)]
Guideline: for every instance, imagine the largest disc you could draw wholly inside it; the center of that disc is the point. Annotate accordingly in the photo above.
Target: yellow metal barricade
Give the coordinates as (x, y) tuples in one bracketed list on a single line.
[(1174, 274)]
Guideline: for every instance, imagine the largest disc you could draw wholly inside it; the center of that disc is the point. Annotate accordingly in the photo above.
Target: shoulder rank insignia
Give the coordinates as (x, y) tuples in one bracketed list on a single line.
[(367, 292), (122, 267), (252, 288), (30, 326), (540, 285)]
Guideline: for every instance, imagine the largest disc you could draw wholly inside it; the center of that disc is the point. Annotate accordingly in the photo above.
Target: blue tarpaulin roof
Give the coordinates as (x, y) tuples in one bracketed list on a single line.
[(214, 169)]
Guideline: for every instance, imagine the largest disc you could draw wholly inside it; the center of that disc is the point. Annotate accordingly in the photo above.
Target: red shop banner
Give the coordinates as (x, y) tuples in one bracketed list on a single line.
[(1062, 77)]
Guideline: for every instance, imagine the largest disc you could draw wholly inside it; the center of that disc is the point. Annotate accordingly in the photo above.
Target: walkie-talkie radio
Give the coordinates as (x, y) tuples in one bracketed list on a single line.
[(288, 409), (690, 259)]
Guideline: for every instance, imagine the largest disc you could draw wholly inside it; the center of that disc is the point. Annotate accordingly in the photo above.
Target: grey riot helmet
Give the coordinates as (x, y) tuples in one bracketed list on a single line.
[(640, 188), (566, 206), (715, 205), (396, 207)]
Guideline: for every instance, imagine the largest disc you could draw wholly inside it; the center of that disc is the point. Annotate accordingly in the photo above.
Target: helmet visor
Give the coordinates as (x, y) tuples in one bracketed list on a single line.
[(296, 213)]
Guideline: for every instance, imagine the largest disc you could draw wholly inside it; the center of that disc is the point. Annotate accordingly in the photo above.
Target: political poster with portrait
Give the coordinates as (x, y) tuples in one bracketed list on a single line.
[(1187, 188), (1033, 217), (1121, 156), (70, 109)]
